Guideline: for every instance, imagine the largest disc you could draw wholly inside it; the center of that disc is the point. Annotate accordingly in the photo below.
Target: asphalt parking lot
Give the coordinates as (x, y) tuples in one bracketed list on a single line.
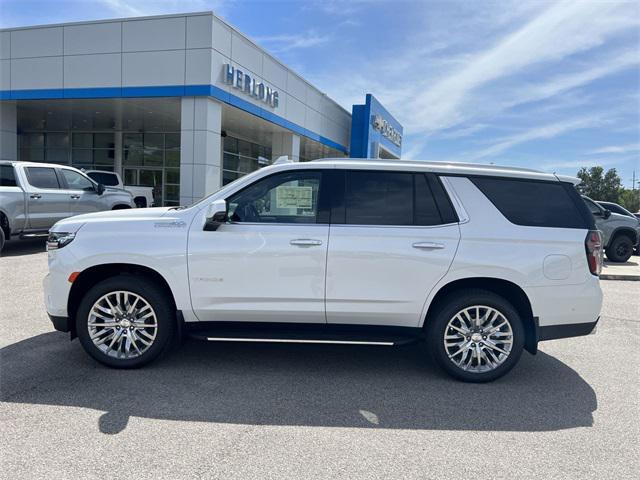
[(273, 411)]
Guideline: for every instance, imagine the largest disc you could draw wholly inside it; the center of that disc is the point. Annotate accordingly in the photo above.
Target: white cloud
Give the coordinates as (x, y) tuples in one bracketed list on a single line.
[(613, 149), (285, 42), (136, 8), (537, 133), (565, 29), (583, 162)]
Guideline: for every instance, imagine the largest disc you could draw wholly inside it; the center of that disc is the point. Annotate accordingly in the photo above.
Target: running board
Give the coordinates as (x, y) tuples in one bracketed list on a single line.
[(26, 236), (302, 333), (299, 340)]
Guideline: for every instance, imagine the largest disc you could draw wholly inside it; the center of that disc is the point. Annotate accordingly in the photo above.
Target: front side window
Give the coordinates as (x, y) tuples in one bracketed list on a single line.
[(290, 197), (76, 181), (42, 177)]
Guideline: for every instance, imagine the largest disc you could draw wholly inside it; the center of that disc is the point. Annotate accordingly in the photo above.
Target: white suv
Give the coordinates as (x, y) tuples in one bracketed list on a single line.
[(479, 261)]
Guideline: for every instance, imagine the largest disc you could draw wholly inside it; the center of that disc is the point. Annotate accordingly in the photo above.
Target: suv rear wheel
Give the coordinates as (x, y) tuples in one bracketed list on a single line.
[(476, 336), (125, 322), (620, 249)]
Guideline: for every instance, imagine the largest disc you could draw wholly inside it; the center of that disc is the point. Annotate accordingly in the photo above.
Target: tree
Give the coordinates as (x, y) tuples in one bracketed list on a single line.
[(630, 199), (599, 185)]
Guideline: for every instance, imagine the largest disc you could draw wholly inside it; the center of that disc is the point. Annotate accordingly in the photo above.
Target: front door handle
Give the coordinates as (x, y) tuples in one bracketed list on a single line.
[(428, 245), (75, 197), (35, 196), (305, 242)]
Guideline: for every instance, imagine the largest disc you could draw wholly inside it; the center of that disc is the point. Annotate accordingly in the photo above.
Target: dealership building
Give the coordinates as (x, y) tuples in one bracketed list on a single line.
[(184, 103)]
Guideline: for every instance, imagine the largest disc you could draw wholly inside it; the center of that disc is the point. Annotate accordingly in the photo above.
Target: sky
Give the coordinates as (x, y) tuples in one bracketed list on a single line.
[(550, 85)]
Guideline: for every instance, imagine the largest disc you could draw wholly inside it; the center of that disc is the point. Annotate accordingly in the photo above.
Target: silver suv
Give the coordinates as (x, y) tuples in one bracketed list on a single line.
[(620, 233)]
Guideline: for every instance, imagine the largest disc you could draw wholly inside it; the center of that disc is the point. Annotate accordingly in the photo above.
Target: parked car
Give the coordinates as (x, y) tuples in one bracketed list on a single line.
[(34, 196), (615, 208), (479, 261), (142, 196), (620, 233)]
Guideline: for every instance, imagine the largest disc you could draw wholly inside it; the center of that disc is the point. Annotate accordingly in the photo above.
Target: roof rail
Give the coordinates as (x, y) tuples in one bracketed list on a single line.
[(434, 163), (282, 159)]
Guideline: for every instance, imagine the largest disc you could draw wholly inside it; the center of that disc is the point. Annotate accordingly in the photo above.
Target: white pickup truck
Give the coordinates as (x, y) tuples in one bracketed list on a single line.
[(142, 196)]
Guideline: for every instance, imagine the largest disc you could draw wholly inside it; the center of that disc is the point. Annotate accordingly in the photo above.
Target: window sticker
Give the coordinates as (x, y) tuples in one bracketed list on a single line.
[(294, 197)]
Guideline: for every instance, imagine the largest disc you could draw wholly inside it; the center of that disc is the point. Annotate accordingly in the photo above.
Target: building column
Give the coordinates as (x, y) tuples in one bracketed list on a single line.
[(285, 143), (117, 160), (8, 131), (200, 148)]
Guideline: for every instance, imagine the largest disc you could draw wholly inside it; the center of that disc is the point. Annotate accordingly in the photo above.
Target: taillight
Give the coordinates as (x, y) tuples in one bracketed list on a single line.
[(593, 247)]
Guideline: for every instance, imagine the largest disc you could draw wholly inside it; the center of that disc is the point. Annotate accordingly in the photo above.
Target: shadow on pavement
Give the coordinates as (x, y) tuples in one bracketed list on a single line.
[(308, 385), (16, 248)]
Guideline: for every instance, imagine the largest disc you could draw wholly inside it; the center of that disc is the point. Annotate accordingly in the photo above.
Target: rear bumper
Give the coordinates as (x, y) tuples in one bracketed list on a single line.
[(553, 332), (62, 324)]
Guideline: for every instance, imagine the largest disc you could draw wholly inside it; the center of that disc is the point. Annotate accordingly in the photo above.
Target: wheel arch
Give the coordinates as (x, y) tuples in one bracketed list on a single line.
[(4, 224), (510, 291), (97, 273), (628, 231), (120, 206)]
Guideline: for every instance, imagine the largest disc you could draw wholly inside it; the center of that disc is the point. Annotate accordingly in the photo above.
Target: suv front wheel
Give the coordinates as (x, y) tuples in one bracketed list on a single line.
[(125, 322), (476, 336)]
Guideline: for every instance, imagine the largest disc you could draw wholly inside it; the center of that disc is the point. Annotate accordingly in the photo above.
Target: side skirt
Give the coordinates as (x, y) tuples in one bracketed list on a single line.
[(302, 333)]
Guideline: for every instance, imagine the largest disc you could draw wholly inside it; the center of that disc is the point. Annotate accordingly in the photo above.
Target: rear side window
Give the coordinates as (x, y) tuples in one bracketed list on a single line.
[(7, 176), (394, 198), (42, 177), (533, 203), (379, 198)]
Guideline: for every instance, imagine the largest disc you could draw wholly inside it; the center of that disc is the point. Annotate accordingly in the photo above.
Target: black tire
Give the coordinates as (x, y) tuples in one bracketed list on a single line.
[(155, 296), (140, 202), (620, 249), (2, 239), (448, 308)]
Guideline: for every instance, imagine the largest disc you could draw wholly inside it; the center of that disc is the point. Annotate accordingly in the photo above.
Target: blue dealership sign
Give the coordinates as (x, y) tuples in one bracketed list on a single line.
[(374, 131)]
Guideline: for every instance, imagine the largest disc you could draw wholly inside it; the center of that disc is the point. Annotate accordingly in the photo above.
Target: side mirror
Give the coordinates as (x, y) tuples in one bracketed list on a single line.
[(606, 214), (216, 215), (100, 189)]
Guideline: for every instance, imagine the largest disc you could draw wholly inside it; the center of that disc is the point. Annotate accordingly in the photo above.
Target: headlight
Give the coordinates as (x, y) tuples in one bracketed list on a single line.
[(59, 239)]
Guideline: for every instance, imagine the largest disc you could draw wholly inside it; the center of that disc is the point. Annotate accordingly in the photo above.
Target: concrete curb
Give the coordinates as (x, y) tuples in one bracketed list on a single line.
[(620, 277)]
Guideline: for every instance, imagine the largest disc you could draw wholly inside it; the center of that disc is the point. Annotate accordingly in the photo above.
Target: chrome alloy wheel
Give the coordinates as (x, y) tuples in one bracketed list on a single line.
[(478, 339), (122, 324)]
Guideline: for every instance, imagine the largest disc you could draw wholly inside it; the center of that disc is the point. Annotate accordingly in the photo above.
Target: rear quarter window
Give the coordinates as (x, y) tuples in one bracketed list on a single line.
[(7, 176), (534, 203)]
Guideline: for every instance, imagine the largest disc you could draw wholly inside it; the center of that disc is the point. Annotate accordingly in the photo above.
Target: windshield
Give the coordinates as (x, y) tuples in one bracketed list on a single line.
[(106, 178), (615, 208)]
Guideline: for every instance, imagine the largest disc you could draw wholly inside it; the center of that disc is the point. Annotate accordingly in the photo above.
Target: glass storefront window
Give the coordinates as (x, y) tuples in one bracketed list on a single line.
[(241, 157), (149, 159), (153, 160), (32, 154), (132, 140), (82, 140)]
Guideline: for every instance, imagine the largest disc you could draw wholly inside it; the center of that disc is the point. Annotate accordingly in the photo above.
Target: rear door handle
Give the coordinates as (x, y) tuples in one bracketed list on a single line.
[(305, 242), (428, 245), (35, 196)]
